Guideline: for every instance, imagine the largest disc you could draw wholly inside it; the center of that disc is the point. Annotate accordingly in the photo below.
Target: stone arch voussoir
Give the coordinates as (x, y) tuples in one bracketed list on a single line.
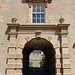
[(28, 38), (22, 44), (55, 43)]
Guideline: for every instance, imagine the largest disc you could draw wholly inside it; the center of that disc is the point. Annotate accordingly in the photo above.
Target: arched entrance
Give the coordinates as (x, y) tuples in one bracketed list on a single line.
[(23, 39), (46, 47)]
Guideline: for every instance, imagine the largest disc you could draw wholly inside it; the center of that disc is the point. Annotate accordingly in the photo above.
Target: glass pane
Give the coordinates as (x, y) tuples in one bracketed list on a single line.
[(42, 6), (34, 10), (34, 16), (38, 16), (34, 20), (42, 16), (34, 6), (42, 10), (38, 6), (38, 20), (38, 10), (42, 20)]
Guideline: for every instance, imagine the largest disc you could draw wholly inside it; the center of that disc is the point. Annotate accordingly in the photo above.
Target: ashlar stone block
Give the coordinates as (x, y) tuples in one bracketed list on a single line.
[(58, 56), (18, 66), (11, 66), (66, 61), (19, 51), (64, 39), (11, 61), (58, 71), (19, 56), (56, 46), (67, 66), (58, 61), (67, 71), (15, 56), (19, 61), (12, 45), (65, 50), (64, 44), (57, 51), (12, 51), (11, 56), (13, 38), (10, 71), (58, 66), (18, 71), (66, 56)]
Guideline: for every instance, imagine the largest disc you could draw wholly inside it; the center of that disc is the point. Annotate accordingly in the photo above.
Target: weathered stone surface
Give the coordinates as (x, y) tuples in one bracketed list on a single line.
[(11, 50), (18, 66), (58, 72), (18, 72), (53, 12), (15, 56), (67, 66), (57, 50), (65, 50), (58, 66), (58, 56), (66, 56), (13, 66), (56, 46), (67, 71), (10, 66), (12, 45), (66, 61), (10, 71), (11, 61), (63, 56), (65, 45)]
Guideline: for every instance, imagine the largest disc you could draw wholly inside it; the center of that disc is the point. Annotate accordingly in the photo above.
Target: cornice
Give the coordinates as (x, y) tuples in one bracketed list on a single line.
[(17, 25)]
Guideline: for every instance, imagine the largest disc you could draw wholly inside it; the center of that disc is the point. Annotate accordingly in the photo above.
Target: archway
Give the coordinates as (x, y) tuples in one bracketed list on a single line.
[(47, 48)]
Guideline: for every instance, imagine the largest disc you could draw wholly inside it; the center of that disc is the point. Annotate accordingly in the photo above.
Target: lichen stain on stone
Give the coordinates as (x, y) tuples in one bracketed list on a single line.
[(2, 3)]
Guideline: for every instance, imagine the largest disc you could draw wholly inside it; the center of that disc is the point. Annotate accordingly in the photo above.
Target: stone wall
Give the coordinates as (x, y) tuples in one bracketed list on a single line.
[(15, 8), (71, 36)]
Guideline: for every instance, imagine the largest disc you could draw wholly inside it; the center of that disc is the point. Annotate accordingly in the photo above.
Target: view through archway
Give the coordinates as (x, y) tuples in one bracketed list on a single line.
[(47, 48), (36, 59)]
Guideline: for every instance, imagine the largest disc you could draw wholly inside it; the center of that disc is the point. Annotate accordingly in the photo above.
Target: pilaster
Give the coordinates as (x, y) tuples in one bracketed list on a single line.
[(12, 60), (63, 60), (66, 56)]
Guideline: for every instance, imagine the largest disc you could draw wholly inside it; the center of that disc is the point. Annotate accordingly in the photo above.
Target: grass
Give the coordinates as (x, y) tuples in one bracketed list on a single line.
[(35, 60), (30, 64)]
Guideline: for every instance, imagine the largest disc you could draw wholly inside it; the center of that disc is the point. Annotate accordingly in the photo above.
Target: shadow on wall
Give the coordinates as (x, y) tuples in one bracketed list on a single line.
[(26, 1)]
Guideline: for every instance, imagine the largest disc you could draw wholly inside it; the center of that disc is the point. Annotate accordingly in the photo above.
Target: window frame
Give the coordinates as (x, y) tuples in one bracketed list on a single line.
[(37, 13)]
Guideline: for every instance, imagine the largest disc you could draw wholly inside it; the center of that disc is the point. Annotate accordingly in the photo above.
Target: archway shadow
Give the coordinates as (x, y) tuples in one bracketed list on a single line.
[(50, 60)]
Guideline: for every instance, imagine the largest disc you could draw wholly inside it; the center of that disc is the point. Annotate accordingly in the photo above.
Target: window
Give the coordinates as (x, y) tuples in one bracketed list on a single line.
[(38, 13)]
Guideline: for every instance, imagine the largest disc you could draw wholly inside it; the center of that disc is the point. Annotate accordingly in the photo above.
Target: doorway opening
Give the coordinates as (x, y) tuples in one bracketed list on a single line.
[(48, 59)]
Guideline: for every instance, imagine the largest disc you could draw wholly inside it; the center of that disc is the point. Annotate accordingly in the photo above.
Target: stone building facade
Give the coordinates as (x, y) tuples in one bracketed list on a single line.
[(36, 55), (53, 32)]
